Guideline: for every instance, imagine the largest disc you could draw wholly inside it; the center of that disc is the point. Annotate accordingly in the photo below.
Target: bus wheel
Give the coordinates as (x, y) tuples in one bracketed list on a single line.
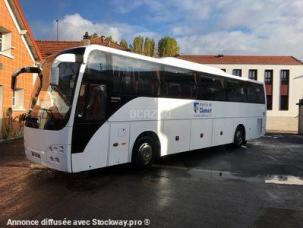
[(143, 152), (239, 138)]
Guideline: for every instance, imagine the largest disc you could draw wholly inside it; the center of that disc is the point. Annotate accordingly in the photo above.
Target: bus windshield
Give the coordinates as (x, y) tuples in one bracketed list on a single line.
[(51, 104)]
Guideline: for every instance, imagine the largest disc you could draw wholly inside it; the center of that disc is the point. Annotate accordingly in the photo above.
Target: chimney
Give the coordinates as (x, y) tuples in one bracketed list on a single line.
[(86, 40)]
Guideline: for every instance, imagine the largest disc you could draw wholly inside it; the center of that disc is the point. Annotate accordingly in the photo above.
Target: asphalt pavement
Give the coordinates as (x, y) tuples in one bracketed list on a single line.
[(258, 185)]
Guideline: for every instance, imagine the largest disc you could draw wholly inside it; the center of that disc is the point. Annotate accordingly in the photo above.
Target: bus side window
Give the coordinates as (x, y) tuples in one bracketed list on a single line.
[(188, 86), (117, 81), (147, 83), (98, 68), (170, 87), (260, 94), (92, 102), (128, 81), (255, 93), (124, 78), (251, 95), (147, 80), (177, 83), (219, 89), (134, 78), (96, 103), (187, 90), (205, 87), (235, 91)]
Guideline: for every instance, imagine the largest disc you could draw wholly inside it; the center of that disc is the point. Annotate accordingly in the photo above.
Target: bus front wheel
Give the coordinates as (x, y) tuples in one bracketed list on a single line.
[(143, 152), (239, 138)]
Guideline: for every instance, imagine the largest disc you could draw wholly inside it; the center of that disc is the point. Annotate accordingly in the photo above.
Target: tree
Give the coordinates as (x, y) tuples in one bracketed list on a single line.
[(168, 46), (123, 43), (94, 35), (153, 46), (138, 44), (149, 46), (109, 38)]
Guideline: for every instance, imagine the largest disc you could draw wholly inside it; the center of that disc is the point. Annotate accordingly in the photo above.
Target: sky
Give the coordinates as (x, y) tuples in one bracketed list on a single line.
[(245, 27)]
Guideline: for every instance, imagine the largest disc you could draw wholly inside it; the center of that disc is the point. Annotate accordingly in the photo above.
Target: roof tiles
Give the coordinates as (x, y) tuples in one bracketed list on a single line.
[(49, 47), (241, 59)]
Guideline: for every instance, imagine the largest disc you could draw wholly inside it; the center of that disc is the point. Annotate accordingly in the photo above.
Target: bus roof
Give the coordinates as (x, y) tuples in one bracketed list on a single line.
[(169, 61)]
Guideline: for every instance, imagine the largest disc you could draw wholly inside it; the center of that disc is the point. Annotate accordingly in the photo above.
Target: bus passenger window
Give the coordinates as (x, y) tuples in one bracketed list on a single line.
[(235, 91), (92, 103), (177, 83), (255, 93), (95, 109), (205, 87)]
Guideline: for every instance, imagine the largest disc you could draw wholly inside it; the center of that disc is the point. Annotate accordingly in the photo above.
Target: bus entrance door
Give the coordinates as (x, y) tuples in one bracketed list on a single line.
[(90, 114)]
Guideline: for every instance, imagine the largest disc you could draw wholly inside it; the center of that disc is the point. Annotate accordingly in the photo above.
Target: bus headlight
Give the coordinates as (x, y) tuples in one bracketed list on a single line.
[(56, 148)]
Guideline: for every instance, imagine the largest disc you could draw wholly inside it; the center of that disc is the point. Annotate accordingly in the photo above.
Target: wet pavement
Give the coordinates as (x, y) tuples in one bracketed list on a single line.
[(259, 185)]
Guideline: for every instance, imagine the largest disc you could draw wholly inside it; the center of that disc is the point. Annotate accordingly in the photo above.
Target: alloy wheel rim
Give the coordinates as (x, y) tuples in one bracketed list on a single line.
[(146, 151), (239, 137)]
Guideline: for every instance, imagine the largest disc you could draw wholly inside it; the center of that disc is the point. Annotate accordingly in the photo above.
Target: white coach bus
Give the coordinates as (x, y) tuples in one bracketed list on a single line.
[(96, 106)]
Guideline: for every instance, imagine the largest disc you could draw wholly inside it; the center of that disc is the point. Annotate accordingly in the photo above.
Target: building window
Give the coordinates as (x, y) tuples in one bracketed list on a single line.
[(237, 72), (268, 79), (284, 90), (284, 77), (18, 99), (5, 41), (252, 74), (223, 70)]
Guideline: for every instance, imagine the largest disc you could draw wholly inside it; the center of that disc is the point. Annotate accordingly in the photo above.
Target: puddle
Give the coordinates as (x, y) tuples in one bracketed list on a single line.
[(282, 179), (229, 176), (273, 136)]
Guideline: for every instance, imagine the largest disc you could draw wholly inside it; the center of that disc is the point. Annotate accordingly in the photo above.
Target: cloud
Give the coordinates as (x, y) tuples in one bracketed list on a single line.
[(230, 27), (73, 27), (121, 7), (201, 27), (252, 27)]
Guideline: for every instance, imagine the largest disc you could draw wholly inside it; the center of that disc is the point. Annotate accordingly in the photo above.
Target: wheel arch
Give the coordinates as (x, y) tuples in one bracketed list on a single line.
[(154, 136), (242, 126)]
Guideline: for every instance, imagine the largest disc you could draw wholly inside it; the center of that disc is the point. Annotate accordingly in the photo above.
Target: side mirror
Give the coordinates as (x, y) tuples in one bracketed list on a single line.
[(54, 77), (31, 70)]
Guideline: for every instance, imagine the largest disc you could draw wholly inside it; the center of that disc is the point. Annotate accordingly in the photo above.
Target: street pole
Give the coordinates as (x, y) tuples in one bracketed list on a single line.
[(57, 21)]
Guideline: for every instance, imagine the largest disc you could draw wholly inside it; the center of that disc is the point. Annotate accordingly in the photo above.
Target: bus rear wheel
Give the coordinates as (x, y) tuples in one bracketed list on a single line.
[(143, 152), (239, 138)]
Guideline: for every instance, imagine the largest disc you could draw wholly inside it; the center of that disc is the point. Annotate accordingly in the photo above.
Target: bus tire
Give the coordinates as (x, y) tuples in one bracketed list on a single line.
[(239, 138), (144, 152)]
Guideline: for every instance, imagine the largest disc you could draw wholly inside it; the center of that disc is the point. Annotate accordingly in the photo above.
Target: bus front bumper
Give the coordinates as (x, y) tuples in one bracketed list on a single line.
[(52, 159), (45, 148)]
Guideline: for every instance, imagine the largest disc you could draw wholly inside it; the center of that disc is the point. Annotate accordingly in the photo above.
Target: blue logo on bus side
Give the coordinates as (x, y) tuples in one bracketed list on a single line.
[(202, 108)]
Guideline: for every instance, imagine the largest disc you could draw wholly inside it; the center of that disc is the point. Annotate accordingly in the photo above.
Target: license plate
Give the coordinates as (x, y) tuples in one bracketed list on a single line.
[(36, 155)]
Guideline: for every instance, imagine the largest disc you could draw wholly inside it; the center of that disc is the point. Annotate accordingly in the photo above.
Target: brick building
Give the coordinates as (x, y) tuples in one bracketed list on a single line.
[(17, 49)]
